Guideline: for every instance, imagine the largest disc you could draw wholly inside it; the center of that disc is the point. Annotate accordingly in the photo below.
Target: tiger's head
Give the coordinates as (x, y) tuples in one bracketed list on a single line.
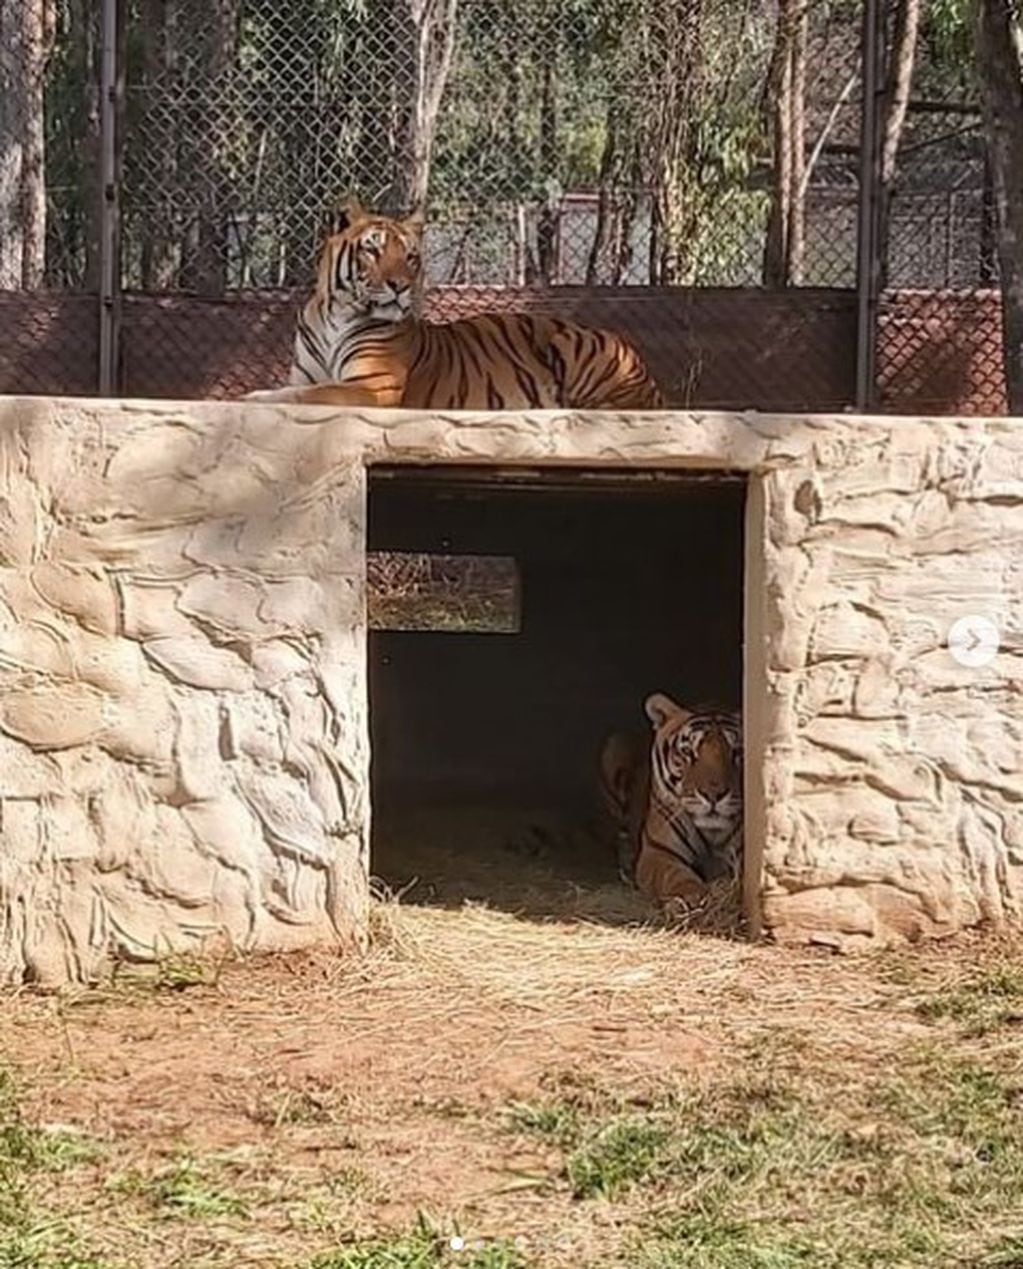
[(696, 768), (371, 263)]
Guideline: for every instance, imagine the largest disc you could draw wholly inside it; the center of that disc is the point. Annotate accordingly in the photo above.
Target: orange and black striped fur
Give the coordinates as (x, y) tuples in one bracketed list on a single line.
[(676, 800), (358, 343)]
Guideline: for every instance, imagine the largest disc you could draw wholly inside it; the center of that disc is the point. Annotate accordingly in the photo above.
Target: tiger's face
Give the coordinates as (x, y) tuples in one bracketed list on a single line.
[(696, 764), (372, 263)]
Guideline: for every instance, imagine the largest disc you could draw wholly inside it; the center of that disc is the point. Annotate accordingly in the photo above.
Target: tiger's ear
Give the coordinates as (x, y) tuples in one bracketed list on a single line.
[(347, 214), (414, 222), (660, 709)]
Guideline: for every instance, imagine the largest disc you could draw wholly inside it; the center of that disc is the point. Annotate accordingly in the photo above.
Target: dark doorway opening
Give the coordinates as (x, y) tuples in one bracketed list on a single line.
[(518, 616)]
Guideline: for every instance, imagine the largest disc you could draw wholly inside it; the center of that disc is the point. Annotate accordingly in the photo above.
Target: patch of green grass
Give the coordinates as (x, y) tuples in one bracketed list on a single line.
[(181, 971), (164, 974), (703, 1241), (557, 1122), (420, 1249), (399, 1253), (184, 1189), (621, 1154), (44, 1246), (324, 1210), (738, 1133), (424, 1248), (987, 1001), (45, 1148), (500, 1254), (920, 1169), (28, 1146), (966, 1125), (30, 1239), (607, 1151), (1006, 1254)]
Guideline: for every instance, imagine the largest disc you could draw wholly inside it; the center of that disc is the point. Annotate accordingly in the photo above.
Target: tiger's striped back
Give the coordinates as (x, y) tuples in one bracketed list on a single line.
[(357, 342), (676, 799), (504, 361)]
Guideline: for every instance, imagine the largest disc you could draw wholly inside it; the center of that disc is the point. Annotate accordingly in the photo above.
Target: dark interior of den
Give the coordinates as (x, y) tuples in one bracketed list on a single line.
[(517, 617)]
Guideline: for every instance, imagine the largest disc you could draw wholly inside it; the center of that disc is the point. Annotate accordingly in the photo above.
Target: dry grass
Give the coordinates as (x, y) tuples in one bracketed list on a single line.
[(537, 860), (605, 1095)]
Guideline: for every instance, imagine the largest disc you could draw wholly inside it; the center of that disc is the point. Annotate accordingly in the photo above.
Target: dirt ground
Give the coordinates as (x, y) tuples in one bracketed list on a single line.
[(268, 1110)]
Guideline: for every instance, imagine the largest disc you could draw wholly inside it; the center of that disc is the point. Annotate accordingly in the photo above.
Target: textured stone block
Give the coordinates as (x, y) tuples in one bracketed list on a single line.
[(161, 580)]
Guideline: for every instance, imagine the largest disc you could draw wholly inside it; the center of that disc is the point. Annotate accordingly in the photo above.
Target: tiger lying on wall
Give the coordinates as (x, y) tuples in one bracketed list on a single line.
[(676, 800), (357, 342)]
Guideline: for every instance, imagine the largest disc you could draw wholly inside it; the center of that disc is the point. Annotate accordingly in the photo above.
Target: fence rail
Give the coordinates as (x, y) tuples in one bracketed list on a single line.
[(716, 178)]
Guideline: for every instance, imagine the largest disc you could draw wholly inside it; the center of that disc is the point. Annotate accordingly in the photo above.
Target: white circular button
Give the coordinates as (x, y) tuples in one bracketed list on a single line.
[(973, 641)]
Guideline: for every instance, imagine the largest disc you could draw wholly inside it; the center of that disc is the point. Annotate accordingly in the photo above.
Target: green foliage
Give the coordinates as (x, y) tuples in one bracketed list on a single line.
[(244, 141), (945, 65)]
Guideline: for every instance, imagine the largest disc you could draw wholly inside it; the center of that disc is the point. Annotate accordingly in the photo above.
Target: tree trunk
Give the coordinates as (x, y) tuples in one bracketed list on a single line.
[(84, 37), (621, 245), (605, 198), (779, 91), (896, 104), (38, 21), (900, 81), (797, 140), (434, 23), (998, 43), (547, 220), (784, 247), (13, 106), (26, 38), (678, 74)]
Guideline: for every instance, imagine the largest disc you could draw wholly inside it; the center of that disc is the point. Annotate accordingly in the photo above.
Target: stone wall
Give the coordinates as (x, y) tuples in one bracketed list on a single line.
[(182, 717), (893, 784), (183, 751)]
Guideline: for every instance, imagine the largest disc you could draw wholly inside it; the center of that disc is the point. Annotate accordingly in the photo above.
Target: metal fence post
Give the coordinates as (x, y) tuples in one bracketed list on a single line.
[(868, 265), (110, 210)]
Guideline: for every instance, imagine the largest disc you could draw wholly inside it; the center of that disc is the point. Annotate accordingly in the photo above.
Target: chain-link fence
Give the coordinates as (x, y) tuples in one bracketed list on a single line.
[(686, 171), (940, 336)]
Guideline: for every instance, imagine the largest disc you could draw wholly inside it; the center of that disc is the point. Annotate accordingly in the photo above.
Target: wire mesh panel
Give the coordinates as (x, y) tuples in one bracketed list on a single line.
[(49, 232), (686, 171), (940, 339), (622, 148)]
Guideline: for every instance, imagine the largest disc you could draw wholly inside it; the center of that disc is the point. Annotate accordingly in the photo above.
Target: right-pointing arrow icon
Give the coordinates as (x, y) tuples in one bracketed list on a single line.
[(973, 641)]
